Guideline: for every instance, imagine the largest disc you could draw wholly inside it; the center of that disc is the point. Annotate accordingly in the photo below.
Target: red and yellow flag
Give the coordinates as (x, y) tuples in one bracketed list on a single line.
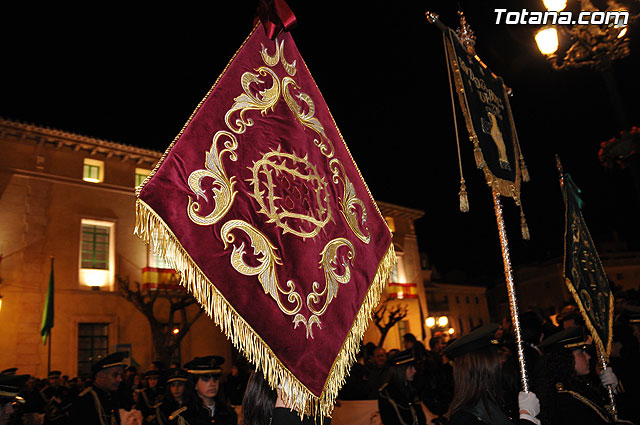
[(259, 206), (400, 291)]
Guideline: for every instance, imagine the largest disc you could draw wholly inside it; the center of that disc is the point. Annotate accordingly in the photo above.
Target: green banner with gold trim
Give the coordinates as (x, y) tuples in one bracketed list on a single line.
[(583, 272)]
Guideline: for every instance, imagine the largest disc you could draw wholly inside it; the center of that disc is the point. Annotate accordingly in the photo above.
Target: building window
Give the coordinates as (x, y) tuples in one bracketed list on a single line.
[(93, 170), (95, 247), (93, 344), (480, 321), (157, 260), (403, 328), (397, 274), (391, 223), (97, 253), (457, 300), (461, 325), (141, 174), (467, 299), (477, 300), (471, 323)]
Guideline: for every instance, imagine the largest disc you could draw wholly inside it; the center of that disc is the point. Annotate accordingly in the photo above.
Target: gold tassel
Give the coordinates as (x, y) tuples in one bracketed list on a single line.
[(524, 171), (477, 153), (524, 227), (464, 199)]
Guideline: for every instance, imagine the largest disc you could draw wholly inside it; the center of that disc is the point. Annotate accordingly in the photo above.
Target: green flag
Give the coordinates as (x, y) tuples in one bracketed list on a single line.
[(583, 272), (47, 313)]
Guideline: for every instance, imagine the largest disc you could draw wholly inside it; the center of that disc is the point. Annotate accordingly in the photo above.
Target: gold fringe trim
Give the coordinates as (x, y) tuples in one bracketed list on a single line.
[(603, 347), (153, 230), (600, 345)]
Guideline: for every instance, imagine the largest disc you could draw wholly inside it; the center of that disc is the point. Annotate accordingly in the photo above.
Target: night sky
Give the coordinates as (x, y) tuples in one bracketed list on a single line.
[(134, 76)]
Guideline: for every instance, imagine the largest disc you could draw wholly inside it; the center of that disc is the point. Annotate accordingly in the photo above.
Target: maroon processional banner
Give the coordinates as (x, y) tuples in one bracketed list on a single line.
[(258, 204)]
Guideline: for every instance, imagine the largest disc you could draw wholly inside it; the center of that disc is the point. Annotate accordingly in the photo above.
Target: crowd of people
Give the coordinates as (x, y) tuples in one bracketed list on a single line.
[(472, 379), (477, 378), (194, 394)]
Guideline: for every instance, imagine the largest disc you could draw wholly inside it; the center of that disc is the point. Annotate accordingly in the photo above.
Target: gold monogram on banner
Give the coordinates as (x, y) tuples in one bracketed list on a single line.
[(288, 170)]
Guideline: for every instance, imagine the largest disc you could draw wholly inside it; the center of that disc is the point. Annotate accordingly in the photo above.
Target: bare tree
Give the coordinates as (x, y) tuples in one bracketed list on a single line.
[(393, 314), (166, 342)]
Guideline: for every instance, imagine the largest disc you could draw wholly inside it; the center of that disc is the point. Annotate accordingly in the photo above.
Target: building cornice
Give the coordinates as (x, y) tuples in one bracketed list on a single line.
[(396, 210), (29, 133)]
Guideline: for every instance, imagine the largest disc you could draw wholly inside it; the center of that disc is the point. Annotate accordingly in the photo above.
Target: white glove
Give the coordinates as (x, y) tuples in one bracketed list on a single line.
[(608, 378), (529, 407)]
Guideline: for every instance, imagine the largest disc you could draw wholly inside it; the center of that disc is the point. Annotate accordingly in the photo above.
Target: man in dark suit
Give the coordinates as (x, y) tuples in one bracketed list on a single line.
[(98, 404)]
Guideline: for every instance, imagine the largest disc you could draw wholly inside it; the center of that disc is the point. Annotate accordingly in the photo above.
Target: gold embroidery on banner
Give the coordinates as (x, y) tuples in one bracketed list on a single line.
[(289, 67), (307, 119), (265, 253), (276, 163), (308, 324), (329, 262), (492, 128), (262, 101), (267, 58), (240, 333), (223, 193), (278, 56), (349, 202), (275, 177)]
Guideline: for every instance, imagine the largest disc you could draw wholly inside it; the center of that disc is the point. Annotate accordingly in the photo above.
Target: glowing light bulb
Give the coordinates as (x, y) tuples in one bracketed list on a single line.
[(555, 5), (547, 40)]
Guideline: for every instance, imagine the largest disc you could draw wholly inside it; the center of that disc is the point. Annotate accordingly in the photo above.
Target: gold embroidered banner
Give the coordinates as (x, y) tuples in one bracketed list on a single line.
[(260, 207), (583, 272), (487, 113)]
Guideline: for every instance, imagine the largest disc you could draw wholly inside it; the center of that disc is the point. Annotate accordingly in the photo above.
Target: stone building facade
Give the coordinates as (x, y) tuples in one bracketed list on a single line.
[(72, 198)]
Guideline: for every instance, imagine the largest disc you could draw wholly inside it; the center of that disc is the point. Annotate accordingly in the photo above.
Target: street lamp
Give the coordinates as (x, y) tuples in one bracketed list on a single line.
[(547, 39), (443, 321), (439, 321), (593, 44)]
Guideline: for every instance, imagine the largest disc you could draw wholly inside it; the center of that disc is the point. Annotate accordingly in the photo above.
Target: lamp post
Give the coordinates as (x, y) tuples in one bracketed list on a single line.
[(589, 45), (439, 323), (593, 45)]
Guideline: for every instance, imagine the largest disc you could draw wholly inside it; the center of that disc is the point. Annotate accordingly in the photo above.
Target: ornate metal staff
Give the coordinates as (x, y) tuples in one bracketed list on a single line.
[(504, 180), (511, 289)]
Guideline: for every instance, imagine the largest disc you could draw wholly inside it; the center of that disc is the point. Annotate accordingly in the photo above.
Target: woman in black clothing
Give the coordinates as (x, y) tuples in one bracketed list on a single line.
[(397, 399), (567, 392), (209, 405), (177, 399), (262, 405), (477, 373)]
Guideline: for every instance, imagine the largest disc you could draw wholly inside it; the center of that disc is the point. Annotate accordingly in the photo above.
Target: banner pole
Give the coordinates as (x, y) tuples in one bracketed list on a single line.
[(49, 353), (511, 290), (614, 410)]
